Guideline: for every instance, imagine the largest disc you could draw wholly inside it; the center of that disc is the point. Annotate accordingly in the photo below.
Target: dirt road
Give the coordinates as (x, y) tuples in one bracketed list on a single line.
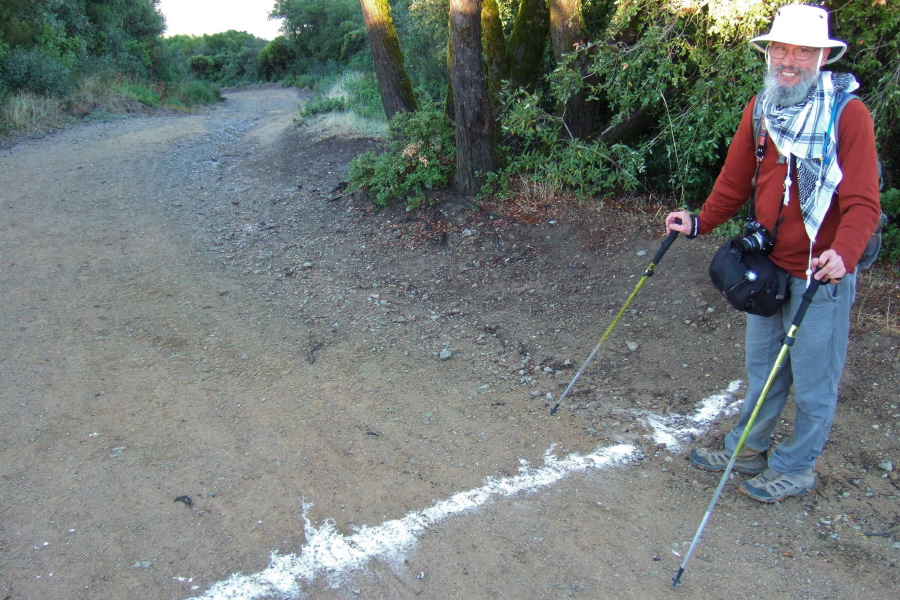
[(221, 377)]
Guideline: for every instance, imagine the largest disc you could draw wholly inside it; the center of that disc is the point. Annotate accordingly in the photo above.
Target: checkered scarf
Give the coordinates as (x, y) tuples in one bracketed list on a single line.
[(800, 131)]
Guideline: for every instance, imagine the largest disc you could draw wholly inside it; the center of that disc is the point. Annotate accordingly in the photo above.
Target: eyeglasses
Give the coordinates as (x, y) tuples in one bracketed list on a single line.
[(798, 52)]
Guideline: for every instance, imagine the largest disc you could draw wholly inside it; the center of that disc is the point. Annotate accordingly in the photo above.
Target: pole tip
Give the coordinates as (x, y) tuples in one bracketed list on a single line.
[(677, 579), (554, 409)]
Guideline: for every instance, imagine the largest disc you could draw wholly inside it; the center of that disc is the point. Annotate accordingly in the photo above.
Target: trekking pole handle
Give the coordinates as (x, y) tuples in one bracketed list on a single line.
[(807, 300), (662, 249)]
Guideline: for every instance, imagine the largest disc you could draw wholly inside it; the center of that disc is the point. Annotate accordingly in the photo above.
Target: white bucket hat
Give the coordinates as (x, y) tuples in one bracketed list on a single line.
[(801, 25)]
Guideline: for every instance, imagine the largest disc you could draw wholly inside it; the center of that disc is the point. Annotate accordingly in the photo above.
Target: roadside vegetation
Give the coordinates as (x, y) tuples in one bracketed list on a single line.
[(64, 60), (572, 99)]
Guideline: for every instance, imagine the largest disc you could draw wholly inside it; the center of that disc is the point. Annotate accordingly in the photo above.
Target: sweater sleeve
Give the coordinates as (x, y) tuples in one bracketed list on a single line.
[(856, 205), (733, 185)]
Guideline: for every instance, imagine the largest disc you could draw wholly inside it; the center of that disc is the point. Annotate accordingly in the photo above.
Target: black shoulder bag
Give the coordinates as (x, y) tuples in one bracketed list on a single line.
[(741, 269)]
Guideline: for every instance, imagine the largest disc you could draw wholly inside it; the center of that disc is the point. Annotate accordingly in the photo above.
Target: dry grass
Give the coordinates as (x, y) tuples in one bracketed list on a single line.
[(878, 300), (27, 113), (343, 124), (530, 201), (94, 92)]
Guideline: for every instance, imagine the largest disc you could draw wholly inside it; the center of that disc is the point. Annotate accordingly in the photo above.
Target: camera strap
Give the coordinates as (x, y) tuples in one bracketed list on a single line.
[(761, 139)]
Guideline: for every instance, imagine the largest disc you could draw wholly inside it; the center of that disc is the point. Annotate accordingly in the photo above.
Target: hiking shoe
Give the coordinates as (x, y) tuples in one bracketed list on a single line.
[(749, 461), (772, 486)]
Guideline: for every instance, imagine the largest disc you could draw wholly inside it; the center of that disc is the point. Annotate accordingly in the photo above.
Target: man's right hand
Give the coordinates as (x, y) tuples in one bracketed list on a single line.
[(679, 221)]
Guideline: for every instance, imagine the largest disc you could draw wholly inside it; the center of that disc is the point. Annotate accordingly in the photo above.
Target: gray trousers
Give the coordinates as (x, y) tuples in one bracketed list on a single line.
[(813, 366)]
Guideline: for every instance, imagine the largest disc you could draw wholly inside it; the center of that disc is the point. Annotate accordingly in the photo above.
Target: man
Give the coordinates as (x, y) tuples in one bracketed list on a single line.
[(825, 204)]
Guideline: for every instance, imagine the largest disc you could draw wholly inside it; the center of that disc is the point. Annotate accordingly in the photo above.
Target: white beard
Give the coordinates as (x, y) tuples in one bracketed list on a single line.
[(782, 95)]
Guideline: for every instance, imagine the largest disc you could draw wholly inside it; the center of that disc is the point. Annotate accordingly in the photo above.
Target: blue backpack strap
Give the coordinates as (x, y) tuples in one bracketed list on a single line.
[(841, 99)]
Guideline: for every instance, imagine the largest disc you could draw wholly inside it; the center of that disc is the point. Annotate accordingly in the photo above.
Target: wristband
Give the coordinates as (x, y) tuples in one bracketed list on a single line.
[(695, 227)]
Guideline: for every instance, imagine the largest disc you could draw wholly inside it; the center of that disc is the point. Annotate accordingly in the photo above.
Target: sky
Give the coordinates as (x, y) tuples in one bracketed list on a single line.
[(199, 17)]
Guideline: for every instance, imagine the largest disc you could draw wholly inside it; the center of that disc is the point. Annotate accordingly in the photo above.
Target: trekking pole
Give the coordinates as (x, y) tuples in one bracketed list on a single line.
[(779, 363), (648, 273)]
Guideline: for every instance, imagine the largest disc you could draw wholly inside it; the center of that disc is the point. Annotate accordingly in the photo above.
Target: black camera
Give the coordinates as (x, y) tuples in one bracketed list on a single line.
[(756, 238)]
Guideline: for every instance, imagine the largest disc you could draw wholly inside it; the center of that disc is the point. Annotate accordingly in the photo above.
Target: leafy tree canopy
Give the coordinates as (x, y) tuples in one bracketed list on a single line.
[(45, 43), (323, 33)]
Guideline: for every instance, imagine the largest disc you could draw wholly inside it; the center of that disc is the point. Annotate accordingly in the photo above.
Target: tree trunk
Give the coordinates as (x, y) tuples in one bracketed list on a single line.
[(494, 49), (567, 31), (396, 90), (474, 126), (449, 105), (526, 43)]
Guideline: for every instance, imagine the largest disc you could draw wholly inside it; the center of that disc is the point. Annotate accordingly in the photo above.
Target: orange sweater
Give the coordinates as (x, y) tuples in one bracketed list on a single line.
[(854, 210)]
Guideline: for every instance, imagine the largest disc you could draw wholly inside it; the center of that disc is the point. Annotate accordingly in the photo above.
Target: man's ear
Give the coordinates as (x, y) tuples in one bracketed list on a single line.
[(825, 53)]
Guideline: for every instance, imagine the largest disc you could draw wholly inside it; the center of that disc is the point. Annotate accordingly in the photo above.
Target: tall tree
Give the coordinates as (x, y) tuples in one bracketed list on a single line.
[(526, 43), (474, 124), (497, 59), (567, 33), (393, 83), (517, 59), (320, 35)]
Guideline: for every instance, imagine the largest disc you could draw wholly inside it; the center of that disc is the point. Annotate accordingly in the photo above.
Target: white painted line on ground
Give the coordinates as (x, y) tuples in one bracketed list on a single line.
[(671, 430), (332, 555)]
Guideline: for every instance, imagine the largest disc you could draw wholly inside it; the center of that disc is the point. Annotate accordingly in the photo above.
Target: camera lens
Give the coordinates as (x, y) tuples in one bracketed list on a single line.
[(752, 243)]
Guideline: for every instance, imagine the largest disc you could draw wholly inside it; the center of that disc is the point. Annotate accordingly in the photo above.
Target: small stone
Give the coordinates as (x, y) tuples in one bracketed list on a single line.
[(446, 354), (886, 466), (642, 253), (633, 346)]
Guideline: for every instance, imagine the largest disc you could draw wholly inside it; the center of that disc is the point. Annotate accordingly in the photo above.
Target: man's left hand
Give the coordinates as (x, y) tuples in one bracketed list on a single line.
[(831, 267)]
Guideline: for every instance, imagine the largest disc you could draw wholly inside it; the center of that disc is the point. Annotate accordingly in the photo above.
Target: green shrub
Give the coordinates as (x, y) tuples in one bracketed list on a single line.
[(142, 92), (890, 236), (890, 245), (323, 104), (201, 65), (363, 95), (275, 59), (730, 228), (324, 35), (36, 70), (352, 91), (537, 151), (193, 93), (420, 155)]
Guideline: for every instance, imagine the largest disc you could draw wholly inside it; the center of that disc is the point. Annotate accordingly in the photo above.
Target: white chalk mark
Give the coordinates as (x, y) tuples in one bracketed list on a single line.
[(671, 430), (333, 556), (330, 554)]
